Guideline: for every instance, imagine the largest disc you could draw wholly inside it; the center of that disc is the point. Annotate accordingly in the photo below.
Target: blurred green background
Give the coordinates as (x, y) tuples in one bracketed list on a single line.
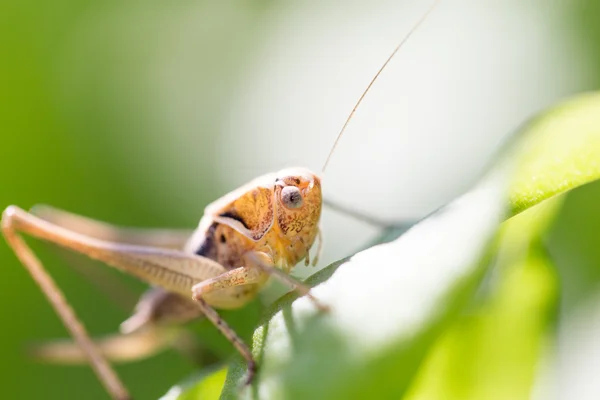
[(141, 113)]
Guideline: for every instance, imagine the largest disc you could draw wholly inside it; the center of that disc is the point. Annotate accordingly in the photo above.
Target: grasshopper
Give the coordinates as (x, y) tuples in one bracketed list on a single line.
[(261, 230)]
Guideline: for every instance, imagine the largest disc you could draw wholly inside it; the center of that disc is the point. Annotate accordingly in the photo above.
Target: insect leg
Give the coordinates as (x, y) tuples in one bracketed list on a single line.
[(109, 284), (173, 270), (262, 261), (214, 291), (124, 348), (117, 348), (230, 334), (105, 373), (155, 237)]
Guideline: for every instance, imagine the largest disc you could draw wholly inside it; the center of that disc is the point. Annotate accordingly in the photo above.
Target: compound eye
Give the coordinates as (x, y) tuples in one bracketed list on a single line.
[(291, 197)]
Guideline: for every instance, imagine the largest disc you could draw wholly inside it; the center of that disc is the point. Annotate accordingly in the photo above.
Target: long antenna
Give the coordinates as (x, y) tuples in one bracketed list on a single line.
[(362, 96)]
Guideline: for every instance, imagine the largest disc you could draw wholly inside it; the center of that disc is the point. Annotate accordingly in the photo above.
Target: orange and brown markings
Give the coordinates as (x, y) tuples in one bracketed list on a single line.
[(253, 210), (299, 226), (303, 219), (256, 220)]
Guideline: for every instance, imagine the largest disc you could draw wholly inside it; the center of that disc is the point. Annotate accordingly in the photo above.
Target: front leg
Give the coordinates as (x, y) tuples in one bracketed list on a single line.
[(216, 291), (262, 261)]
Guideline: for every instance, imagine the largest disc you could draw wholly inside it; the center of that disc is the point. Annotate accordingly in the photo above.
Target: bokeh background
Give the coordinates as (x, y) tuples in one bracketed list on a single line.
[(142, 112)]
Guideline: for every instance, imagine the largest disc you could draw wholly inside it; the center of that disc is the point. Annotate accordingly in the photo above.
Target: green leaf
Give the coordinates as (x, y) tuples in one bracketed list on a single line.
[(499, 341), (388, 303), (206, 385), (391, 302), (556, 152)]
